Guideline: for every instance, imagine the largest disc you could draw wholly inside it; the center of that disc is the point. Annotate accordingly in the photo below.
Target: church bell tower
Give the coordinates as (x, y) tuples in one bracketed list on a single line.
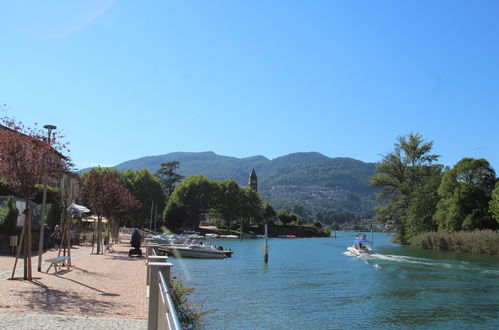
[(253, 181)]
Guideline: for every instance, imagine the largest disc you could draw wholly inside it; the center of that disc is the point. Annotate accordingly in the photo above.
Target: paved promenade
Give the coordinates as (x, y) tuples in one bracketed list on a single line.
[(98, 292)]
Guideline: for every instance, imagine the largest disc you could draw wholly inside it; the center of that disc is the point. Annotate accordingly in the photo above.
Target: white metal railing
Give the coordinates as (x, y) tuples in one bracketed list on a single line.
[(162, 313), (167, 315)]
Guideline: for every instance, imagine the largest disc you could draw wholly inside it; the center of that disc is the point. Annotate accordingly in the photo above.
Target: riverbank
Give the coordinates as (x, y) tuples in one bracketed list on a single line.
[(299, 231), (484, 242), (110, 287)]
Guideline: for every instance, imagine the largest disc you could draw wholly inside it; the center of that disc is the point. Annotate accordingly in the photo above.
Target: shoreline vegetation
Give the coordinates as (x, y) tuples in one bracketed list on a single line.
[(482, 242), (437, 207), (189, 315), (274, 230)]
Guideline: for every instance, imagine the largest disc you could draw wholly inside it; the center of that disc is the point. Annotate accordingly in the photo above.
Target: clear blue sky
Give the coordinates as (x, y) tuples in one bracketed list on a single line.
[(127, 79)]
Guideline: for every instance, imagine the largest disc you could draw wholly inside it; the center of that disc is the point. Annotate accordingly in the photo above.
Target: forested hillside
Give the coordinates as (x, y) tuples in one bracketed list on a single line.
[(311, 181)]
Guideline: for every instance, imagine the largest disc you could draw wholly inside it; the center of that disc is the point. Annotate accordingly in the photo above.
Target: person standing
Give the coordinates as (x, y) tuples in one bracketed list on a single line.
[(46, 236), (56, 236)]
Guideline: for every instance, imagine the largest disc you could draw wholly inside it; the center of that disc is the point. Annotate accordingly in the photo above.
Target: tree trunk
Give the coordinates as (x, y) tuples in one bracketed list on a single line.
[(99, 234), (27, 255), (42, 228), (19, 248)]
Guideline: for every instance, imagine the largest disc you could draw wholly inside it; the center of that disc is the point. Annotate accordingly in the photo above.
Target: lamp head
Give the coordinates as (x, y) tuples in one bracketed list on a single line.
[(50, 127)]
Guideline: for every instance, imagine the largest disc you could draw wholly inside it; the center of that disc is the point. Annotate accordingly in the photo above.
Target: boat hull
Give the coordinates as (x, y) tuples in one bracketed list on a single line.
[(354, 251), (187, 252)]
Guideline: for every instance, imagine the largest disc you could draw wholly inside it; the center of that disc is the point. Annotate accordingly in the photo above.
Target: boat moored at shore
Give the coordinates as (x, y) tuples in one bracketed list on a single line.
[(196, 250)]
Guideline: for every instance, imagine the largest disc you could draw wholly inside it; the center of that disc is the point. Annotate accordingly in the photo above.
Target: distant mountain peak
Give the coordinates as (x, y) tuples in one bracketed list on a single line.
[(309, 179)]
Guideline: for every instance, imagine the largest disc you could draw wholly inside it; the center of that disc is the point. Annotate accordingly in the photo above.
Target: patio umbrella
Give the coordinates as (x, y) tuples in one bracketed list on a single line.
[(80, 209)]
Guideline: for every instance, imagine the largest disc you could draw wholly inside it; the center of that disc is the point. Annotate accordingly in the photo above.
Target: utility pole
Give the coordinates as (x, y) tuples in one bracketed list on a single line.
[(266, 256)]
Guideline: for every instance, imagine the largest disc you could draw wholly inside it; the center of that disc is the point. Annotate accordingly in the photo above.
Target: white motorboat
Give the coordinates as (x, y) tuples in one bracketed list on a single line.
[(198, 251), (167, 239), (361, 246)]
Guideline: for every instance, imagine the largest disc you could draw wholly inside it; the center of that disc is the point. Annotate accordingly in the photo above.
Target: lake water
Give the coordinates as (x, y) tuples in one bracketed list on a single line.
[(312, 284)]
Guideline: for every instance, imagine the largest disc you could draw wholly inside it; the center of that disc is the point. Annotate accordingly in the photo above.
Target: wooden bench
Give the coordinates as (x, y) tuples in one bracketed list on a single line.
[(58, 261)]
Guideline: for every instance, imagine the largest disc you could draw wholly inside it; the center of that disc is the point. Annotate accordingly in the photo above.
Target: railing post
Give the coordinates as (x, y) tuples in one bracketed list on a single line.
[(162, 259), (151, 250), (154, 269)]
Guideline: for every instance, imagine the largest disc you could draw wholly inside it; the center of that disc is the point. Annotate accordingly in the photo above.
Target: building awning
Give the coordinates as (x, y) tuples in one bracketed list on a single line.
[(93, 218)]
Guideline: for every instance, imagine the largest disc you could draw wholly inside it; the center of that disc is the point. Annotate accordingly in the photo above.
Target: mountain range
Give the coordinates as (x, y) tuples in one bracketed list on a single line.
[(305, 181)]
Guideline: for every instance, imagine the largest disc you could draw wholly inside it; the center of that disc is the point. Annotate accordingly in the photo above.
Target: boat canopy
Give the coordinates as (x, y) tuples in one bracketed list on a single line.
[(361, 241), (361, 238)]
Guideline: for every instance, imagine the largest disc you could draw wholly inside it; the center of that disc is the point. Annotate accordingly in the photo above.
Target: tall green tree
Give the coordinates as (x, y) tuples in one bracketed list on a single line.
[(198, 195), (423, 202), (148, 191), (494, 203), (8, 216), (465, 193), (190, 199), (286, 217), (399, 175), (169, 177), (251, 206), (268, 213), (228, 202)]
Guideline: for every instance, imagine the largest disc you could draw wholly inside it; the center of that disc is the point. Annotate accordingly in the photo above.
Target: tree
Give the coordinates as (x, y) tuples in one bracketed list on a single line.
[(168, 177), (286, 217), (26, 160), (268, 213), (8, 216), (423, 203), (198, 195), (228, 201), (251, 206), (399, 174), (106, 196), (465, 193), (148, 191), (494, 203), (193, 197)]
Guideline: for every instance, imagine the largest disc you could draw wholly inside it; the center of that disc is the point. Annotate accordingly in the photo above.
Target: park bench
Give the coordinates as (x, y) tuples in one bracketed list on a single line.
[(109, 247), (58, 261)]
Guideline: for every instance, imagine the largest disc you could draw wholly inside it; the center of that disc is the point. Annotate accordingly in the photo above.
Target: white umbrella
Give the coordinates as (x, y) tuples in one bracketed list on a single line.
[(78, 208)]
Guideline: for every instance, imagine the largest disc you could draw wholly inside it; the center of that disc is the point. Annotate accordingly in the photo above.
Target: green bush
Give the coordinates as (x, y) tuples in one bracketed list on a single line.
[(8, 217), (107, 235), (473, 242), (189, 317), (53, 214)]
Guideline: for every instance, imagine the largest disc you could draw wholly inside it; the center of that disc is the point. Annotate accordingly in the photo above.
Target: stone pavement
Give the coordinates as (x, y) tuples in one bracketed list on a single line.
[(42, 322), (106, 291)]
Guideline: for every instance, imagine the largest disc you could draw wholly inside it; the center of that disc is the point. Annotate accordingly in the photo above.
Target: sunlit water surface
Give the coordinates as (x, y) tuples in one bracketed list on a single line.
[(313, 284)]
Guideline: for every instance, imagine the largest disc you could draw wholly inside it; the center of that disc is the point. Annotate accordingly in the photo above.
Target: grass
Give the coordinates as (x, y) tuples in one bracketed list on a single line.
[(473, 242)]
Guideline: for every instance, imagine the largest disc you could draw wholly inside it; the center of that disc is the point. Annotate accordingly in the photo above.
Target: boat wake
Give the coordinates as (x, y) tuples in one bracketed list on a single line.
[(380, 260)]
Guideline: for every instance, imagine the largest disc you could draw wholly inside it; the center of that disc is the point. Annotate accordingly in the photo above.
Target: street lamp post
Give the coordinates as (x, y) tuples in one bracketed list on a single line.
[(49, 129)]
